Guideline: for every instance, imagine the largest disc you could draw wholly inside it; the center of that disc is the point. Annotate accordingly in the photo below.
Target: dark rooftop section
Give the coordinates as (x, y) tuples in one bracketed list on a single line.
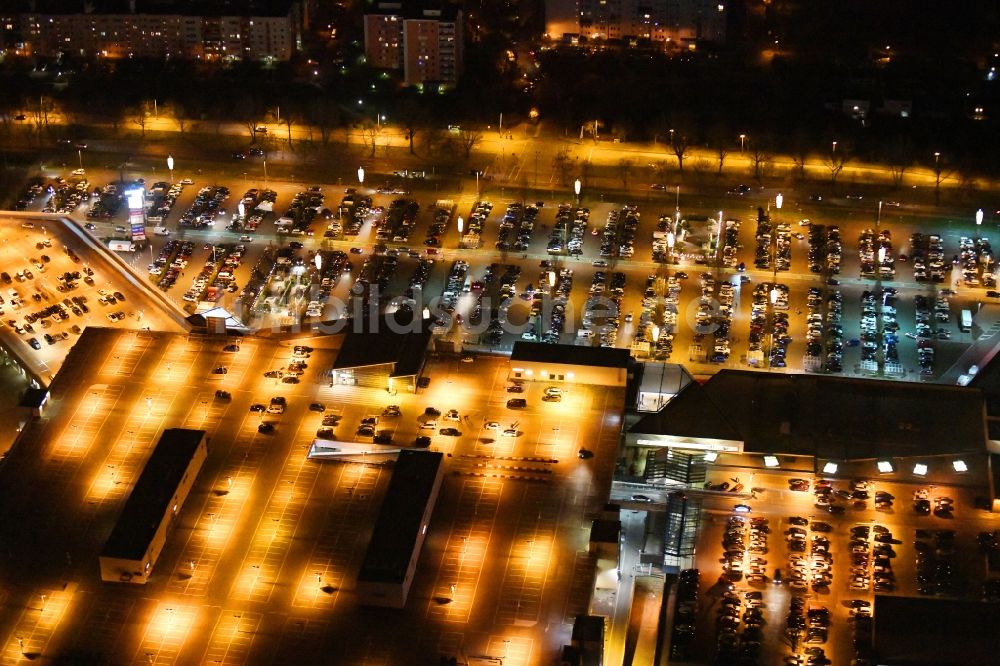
[(398, 341), (832, 417), (942, 632), (398, 524), (146, 506), (33, 397), (603, 530), (988, 381), (598, 357), (161, 7), (691, 413)]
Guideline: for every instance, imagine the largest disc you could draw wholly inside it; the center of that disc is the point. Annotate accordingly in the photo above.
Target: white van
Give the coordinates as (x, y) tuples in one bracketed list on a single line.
[(161, 231)]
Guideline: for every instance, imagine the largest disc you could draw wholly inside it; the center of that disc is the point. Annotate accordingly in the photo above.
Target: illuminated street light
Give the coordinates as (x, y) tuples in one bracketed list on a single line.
[(170, 166), (774, 295), (960, 466), (884, 467), (361, 175), (461, 224), (427, 313), (241, 208), (881, 255), (318, 260), (743, 139), (576, 188), (778, 200), (770, 461), (979, 217), (830, 468), (671, 240), (656, 333), (552, 278), (920, 469), (834, 149)]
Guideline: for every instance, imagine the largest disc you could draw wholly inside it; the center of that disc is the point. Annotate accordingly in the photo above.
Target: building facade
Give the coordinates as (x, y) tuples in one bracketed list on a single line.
[(683, 22), (426, 43), (154, 35)]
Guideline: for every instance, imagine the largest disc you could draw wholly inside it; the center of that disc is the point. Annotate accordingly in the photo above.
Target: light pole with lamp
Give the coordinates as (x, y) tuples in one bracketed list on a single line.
[(361, 175), (79, 154), (743, 145), (170, 166), (834, 149), (979, 217), (264, 159), (577, 186), (461, 227)]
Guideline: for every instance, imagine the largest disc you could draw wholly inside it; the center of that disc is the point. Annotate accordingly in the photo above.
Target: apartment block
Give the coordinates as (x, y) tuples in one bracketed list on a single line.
[(425, 42)]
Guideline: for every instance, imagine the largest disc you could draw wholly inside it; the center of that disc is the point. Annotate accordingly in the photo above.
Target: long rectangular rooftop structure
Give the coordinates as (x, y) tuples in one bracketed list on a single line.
[(146, 506), (399, 521)]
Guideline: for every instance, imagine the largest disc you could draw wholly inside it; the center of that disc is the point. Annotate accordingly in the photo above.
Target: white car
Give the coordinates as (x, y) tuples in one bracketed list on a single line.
[(511, 432), (492, 425)]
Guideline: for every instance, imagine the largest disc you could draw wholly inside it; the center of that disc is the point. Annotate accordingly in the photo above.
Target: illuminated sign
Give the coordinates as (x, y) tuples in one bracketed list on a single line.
[(136, 213)]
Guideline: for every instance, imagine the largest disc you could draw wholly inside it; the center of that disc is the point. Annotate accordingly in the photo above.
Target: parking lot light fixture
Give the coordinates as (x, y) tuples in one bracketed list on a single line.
[(920, 469), (774, 295), (577, 185), (711, 456), (778, 200), (361, 175), (979, 217), (427, 313), (170, 166), (318, 260), (461, 224), (552, 278), (771, 461), (830, 468), (884, 467), (960, 466)]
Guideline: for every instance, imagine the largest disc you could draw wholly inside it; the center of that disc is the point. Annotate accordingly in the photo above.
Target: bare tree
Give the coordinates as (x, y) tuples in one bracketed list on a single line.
[(180, 116), (835, 163), (288, 120), (469, 139), (899, 157), (760, 158), (625, 171), (942, 172), (323, 114), (721, 151), (369, 136), (561, 165), (140, 116), (679, 146), (800, 153), (249, 111), (586, 168)]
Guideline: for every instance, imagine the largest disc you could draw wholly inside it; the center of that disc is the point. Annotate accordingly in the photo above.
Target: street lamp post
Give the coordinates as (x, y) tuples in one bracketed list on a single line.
[(170, 166), (979, 217), (834, 149), (577, 185), (743, 145), (361, 175), (79, 154), (461, 227), (265, 171)]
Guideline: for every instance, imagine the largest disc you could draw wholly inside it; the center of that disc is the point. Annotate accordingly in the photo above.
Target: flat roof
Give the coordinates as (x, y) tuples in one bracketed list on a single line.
[(399, 520), (942, 632), (832, 417), (399, 342), (598, 357), (146, 506)]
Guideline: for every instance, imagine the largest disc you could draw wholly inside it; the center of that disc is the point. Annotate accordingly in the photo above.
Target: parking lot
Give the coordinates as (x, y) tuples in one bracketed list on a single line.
[(706, 300), (54, 286), (262, 562), (812, 574)]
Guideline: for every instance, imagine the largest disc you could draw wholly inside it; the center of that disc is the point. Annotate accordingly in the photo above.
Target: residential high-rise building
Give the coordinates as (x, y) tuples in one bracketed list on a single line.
[(260, 30), (424, 41)]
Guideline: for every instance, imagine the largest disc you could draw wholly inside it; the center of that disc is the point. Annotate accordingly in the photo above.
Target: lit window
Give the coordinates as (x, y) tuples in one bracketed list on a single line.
[(770, 461), (960, 466), (830, 468), (884, 466), (920, 469)]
